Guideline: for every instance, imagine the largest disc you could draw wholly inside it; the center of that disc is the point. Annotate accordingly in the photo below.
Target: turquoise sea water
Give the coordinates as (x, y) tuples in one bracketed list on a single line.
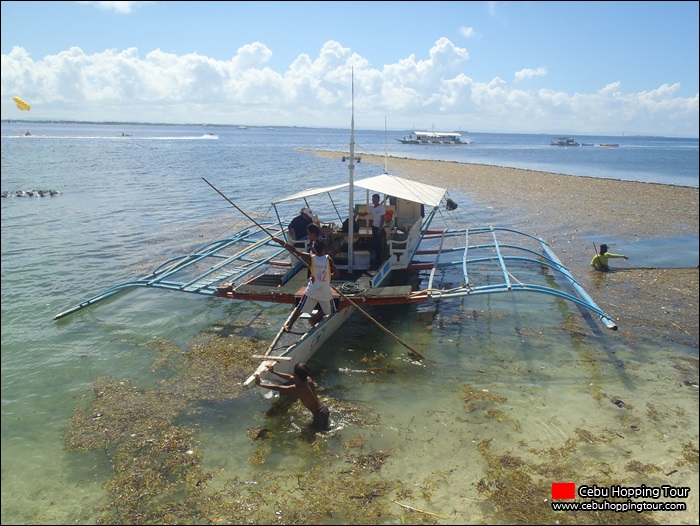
[(126, 203)]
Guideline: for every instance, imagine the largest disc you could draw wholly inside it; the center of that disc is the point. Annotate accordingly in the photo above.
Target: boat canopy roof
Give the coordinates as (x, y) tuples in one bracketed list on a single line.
[(404, 188), (437, 134), (387, 184), (309, 193)]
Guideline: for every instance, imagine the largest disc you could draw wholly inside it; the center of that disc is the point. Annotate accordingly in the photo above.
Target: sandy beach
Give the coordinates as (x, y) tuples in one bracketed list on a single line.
[(571, 211)]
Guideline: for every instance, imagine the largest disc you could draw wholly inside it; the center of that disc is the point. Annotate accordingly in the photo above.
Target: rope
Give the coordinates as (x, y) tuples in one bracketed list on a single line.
[(351, 288)]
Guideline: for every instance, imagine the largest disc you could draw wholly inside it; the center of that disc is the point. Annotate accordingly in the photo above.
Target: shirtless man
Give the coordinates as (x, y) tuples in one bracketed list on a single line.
[(305, 389)]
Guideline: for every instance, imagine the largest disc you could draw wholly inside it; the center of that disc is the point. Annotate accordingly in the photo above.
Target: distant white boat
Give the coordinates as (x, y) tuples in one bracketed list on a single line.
[(423, 137), (243, 127), (564, 141)]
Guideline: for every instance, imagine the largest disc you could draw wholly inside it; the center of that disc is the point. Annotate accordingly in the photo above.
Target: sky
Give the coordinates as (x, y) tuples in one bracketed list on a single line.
[(587, 68)]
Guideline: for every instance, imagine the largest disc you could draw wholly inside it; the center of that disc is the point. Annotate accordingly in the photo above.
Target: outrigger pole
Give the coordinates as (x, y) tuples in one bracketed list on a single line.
[(362, 311)]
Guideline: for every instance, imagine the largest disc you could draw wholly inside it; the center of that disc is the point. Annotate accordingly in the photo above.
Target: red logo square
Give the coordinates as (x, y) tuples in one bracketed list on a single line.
[(563, 490)]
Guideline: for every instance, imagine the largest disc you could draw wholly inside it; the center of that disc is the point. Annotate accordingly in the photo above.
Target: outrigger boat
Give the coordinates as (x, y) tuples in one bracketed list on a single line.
[(416, 256), (564, 141), (425, 137)]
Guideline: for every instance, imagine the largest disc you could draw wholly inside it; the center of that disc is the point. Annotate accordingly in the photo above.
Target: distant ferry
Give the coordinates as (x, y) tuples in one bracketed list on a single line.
[(423, 137), (565, 141)]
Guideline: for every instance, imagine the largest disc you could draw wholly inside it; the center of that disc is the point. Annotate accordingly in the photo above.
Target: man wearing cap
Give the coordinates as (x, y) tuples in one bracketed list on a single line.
[(297, 228), (600, 260)]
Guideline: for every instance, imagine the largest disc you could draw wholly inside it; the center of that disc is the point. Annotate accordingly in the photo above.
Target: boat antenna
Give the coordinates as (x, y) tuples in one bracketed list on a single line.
[(360, 309), (351, 187)]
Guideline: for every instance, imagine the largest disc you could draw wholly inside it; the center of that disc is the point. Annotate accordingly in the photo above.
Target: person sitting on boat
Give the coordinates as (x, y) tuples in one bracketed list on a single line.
[(378, 213), (297, 227), (600, 260), (305, 389), (318, 289)]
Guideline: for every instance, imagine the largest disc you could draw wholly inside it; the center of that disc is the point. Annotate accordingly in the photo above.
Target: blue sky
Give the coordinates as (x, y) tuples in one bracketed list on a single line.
[(524, 67)]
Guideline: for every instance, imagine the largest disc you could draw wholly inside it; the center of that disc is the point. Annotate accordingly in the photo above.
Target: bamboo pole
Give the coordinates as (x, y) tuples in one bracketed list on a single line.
[(416, 509), (362, 311)]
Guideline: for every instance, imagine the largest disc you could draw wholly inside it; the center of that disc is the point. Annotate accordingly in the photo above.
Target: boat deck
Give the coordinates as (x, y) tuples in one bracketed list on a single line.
[(357, 286), (269, 286)]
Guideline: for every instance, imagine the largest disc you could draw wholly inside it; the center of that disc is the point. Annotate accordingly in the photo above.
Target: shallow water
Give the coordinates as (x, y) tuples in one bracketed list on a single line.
[(541, 375)]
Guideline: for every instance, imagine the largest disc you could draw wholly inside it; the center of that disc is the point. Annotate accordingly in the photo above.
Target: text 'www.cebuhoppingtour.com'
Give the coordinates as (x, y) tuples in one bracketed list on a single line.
[(567, 491)]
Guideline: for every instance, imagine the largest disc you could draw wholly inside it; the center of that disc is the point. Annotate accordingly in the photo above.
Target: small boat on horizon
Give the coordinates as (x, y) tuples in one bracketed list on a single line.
[(424, 137), (609, 144), (564, 141)]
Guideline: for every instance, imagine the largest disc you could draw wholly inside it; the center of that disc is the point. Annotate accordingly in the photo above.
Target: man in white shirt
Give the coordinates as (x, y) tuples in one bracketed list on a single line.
[(378, 213)]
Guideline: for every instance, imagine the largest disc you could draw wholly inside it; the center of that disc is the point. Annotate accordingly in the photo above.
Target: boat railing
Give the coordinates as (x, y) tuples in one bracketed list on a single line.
[(302, 245)]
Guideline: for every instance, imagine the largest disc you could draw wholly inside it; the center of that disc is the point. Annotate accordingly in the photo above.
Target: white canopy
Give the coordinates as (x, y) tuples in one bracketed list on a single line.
[(310, 192), (404, 188), (437, 135), (387, 184)]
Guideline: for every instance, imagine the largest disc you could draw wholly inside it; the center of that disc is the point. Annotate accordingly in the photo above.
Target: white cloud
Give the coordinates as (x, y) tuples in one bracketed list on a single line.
[(527, 73), (315, 91), (117, 7), (468, 32)]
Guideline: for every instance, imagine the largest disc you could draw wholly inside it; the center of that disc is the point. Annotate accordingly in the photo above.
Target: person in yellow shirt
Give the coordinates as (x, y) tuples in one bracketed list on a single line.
[(600, 260)]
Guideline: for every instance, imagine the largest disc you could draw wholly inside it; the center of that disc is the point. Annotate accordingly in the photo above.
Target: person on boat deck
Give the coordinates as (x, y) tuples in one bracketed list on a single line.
[(305, 389), (378, 213), (314, 233), (297, 227), (600, 260), (318, 289)]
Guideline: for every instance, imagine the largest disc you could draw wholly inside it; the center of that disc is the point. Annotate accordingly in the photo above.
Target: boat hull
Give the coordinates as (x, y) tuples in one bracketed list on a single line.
[(414, 141), (303, 349)]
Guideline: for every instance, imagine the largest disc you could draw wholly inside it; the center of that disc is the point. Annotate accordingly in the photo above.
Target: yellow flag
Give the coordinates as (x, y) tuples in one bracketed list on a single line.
[(21, 104)]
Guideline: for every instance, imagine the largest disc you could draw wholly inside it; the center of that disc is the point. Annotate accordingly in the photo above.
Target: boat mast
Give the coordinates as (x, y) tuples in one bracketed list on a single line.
[(386, 150), (351, 188)]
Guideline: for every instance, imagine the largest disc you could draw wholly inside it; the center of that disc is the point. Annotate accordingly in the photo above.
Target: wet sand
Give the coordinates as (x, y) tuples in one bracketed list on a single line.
[(573, 212)]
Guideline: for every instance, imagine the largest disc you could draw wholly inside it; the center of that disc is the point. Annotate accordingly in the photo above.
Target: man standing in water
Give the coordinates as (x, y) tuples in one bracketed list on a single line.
[(600, 260), (305, 389)]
